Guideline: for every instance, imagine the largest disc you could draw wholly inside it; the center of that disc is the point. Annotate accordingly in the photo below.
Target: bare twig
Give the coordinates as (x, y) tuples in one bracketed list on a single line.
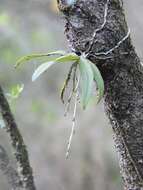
[(20, 151)]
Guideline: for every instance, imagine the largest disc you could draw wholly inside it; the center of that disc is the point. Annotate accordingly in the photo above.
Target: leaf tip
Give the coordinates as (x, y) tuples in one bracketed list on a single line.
[(16, 64), (33, 78)]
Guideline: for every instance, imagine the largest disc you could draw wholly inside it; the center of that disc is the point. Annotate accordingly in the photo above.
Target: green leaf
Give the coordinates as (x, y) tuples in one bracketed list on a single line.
[(43, 67), (67, 58), (35, 56), (99, 82), (86, 80), (16, 90)]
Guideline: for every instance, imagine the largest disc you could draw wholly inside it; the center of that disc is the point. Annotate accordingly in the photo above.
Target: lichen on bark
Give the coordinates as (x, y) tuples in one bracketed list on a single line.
[(24, 173)]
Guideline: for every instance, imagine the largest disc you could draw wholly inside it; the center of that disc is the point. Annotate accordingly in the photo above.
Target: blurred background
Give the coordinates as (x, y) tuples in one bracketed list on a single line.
[(28, 26)]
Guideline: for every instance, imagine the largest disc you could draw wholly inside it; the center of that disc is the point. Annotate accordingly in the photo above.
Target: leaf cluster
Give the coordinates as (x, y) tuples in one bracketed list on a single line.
[(88, 71)]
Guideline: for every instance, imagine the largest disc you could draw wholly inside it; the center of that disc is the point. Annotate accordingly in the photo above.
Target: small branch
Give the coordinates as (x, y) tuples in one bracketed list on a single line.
[(8, 171), (20, 151)]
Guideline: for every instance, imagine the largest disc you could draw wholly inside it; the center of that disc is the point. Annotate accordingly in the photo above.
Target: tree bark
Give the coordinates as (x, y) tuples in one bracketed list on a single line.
[(23, 176), (111, 49)]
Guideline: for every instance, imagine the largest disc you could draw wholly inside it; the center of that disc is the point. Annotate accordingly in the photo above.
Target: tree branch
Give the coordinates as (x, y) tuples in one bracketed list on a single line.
[(122, 73), (24, 169), (10, 173)]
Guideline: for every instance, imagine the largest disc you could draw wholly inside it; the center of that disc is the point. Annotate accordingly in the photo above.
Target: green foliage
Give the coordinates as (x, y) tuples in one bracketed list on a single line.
[(45, 66), (15, 91), (86, 80), (67, 58), (99, 82), (30, 57), (87, 71), (41, 69)]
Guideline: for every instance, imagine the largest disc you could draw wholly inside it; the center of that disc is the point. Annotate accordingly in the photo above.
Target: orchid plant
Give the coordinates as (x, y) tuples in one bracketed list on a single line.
[(83, 74)]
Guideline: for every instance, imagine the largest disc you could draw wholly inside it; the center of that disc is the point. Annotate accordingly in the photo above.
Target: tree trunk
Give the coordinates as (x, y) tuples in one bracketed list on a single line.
[(98, 29)]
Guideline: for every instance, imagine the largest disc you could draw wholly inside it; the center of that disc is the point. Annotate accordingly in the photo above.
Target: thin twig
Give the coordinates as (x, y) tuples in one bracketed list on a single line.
[(24, 169), (73, 119)]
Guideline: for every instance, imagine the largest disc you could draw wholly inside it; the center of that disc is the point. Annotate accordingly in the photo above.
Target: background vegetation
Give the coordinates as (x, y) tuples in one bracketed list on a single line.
[(36, 26)]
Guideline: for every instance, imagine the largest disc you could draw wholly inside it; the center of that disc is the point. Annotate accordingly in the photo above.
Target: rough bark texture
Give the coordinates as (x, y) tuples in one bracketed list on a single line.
[(8, 171), (24, 169), (122, 73)]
